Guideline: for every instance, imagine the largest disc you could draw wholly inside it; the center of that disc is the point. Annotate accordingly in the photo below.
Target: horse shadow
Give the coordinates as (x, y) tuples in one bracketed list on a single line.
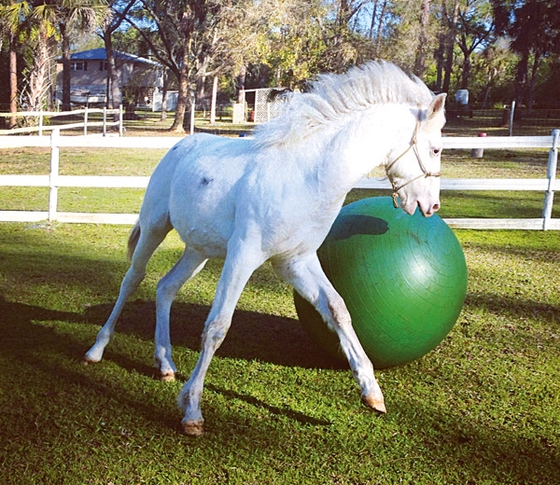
[(252, 336), (26, 340)]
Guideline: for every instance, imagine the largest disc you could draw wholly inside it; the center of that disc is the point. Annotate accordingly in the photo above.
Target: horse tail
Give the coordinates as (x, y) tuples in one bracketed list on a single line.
[(133, 240)]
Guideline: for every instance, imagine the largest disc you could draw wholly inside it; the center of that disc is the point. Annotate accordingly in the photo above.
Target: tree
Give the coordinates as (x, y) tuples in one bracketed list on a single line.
[(421, 50), (32, 33), (404, 32), (12, 17), (377, 22), (450, 21), (39, 72), (297, 40), (173, 29), (74, 17), (534, 27), (494, 65), (119, 12), (37, 26), (475, 29)]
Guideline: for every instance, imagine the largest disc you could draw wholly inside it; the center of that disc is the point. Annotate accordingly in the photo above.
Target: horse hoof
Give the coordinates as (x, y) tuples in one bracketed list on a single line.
[(375, 404), (167, 376), (193, 428), (87, 360)]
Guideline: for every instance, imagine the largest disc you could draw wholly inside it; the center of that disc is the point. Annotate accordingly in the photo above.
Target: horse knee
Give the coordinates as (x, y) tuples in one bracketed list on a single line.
[(215, 333), (164, 291), (339, 312), (132, 279), (334, 311)]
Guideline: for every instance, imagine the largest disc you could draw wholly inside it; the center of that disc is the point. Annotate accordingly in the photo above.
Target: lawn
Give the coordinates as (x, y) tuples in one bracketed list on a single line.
[(482, 408)]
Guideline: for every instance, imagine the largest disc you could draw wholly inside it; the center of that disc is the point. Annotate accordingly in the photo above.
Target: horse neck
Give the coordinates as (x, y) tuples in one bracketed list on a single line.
[(368, 140)]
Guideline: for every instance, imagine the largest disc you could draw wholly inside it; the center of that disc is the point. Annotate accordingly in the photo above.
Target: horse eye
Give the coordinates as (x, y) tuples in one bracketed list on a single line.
[(436, 152)]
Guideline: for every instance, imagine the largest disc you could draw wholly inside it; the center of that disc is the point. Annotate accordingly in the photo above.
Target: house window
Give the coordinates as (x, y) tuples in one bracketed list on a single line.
[(102, 65), (78, 66)]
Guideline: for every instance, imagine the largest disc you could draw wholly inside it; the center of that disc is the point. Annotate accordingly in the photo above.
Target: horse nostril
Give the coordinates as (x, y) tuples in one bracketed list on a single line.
[(435, 207)]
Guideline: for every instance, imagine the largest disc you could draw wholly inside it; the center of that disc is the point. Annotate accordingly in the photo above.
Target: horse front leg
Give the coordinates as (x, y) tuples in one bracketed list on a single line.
[(309, 280), (239, 265)]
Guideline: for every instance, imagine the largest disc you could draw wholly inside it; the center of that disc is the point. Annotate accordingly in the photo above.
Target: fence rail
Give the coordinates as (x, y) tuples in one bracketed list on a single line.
[(85, 124), (54, 180)]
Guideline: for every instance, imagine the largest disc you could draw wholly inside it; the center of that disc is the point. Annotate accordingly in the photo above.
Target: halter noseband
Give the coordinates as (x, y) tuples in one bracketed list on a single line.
[(425, 173)]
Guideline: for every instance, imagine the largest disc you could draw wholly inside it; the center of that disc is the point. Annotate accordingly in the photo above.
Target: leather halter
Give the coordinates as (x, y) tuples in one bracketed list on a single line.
[(425, 173)]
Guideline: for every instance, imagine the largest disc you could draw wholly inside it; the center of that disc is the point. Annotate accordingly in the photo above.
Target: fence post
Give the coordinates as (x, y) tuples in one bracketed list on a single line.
[(121, 120), (193, 107), (104, 120), (41, 123), (53, 176), (85, 120), (511, 118), (551, 176)]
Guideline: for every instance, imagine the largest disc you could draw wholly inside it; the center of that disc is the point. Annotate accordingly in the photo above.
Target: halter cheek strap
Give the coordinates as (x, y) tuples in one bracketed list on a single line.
[(425, 173)]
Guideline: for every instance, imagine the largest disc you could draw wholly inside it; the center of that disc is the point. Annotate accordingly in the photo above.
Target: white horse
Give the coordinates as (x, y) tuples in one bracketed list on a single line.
[(274, 197)]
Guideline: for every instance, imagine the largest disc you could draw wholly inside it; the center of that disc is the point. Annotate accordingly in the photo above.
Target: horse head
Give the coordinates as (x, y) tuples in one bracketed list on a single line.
[(415, 172)]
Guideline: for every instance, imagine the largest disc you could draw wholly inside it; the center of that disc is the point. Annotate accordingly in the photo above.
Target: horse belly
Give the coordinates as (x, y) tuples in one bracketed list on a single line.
[(202, 203), (205, 229)]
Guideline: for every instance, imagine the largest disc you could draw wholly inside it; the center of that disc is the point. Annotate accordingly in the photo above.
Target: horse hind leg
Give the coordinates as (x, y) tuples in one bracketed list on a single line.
[(142, 244), (188, 266), (309, 280)]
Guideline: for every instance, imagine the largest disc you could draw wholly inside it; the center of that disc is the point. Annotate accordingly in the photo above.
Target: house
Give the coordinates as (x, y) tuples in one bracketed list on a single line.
[(139, 78)]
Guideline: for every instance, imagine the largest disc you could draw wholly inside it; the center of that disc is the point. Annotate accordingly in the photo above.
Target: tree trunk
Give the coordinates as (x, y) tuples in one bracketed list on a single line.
[(439, 57), (533, 83), (466, 68), (466, 72), (420, 61), (66, 73), (39, 82), (521, 78), (450, 44), (373, 19), (113, 84), (164, 96), (183, 95), (241, 83), (12, 122), (380, 28)]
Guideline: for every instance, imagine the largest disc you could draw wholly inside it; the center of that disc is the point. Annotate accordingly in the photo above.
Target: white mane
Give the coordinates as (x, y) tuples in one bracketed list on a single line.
[(334, 95)]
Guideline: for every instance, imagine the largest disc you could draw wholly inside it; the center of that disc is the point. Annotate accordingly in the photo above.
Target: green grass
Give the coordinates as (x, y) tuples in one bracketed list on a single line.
[(481, 408)]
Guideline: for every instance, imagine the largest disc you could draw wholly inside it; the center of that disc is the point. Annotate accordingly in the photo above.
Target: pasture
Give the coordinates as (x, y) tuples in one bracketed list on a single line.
[(482, 408)]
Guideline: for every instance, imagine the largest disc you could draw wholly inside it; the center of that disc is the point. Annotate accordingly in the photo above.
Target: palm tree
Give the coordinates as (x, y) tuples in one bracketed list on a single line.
[(12, 14), (72, 18), (35, 26)]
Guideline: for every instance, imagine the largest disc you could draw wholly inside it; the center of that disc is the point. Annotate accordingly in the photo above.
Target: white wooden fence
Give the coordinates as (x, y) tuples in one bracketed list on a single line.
[(547, 185), (85, 124)]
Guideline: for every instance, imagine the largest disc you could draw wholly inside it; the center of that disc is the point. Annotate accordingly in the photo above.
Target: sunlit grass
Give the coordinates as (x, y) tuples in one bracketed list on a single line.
[(480, 408)]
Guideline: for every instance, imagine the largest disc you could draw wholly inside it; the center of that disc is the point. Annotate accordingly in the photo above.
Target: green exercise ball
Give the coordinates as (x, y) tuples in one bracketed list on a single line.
[(403, 278)]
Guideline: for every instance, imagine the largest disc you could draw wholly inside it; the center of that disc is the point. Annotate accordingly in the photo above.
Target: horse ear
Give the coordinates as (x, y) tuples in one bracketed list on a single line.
[(436, 106)]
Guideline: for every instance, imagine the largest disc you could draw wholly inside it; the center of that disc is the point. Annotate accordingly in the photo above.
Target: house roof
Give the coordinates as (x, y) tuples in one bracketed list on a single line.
[(100, 54)]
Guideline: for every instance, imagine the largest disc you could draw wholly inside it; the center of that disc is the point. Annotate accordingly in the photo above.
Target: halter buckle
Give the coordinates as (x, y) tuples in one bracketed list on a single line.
[(395, 197)]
